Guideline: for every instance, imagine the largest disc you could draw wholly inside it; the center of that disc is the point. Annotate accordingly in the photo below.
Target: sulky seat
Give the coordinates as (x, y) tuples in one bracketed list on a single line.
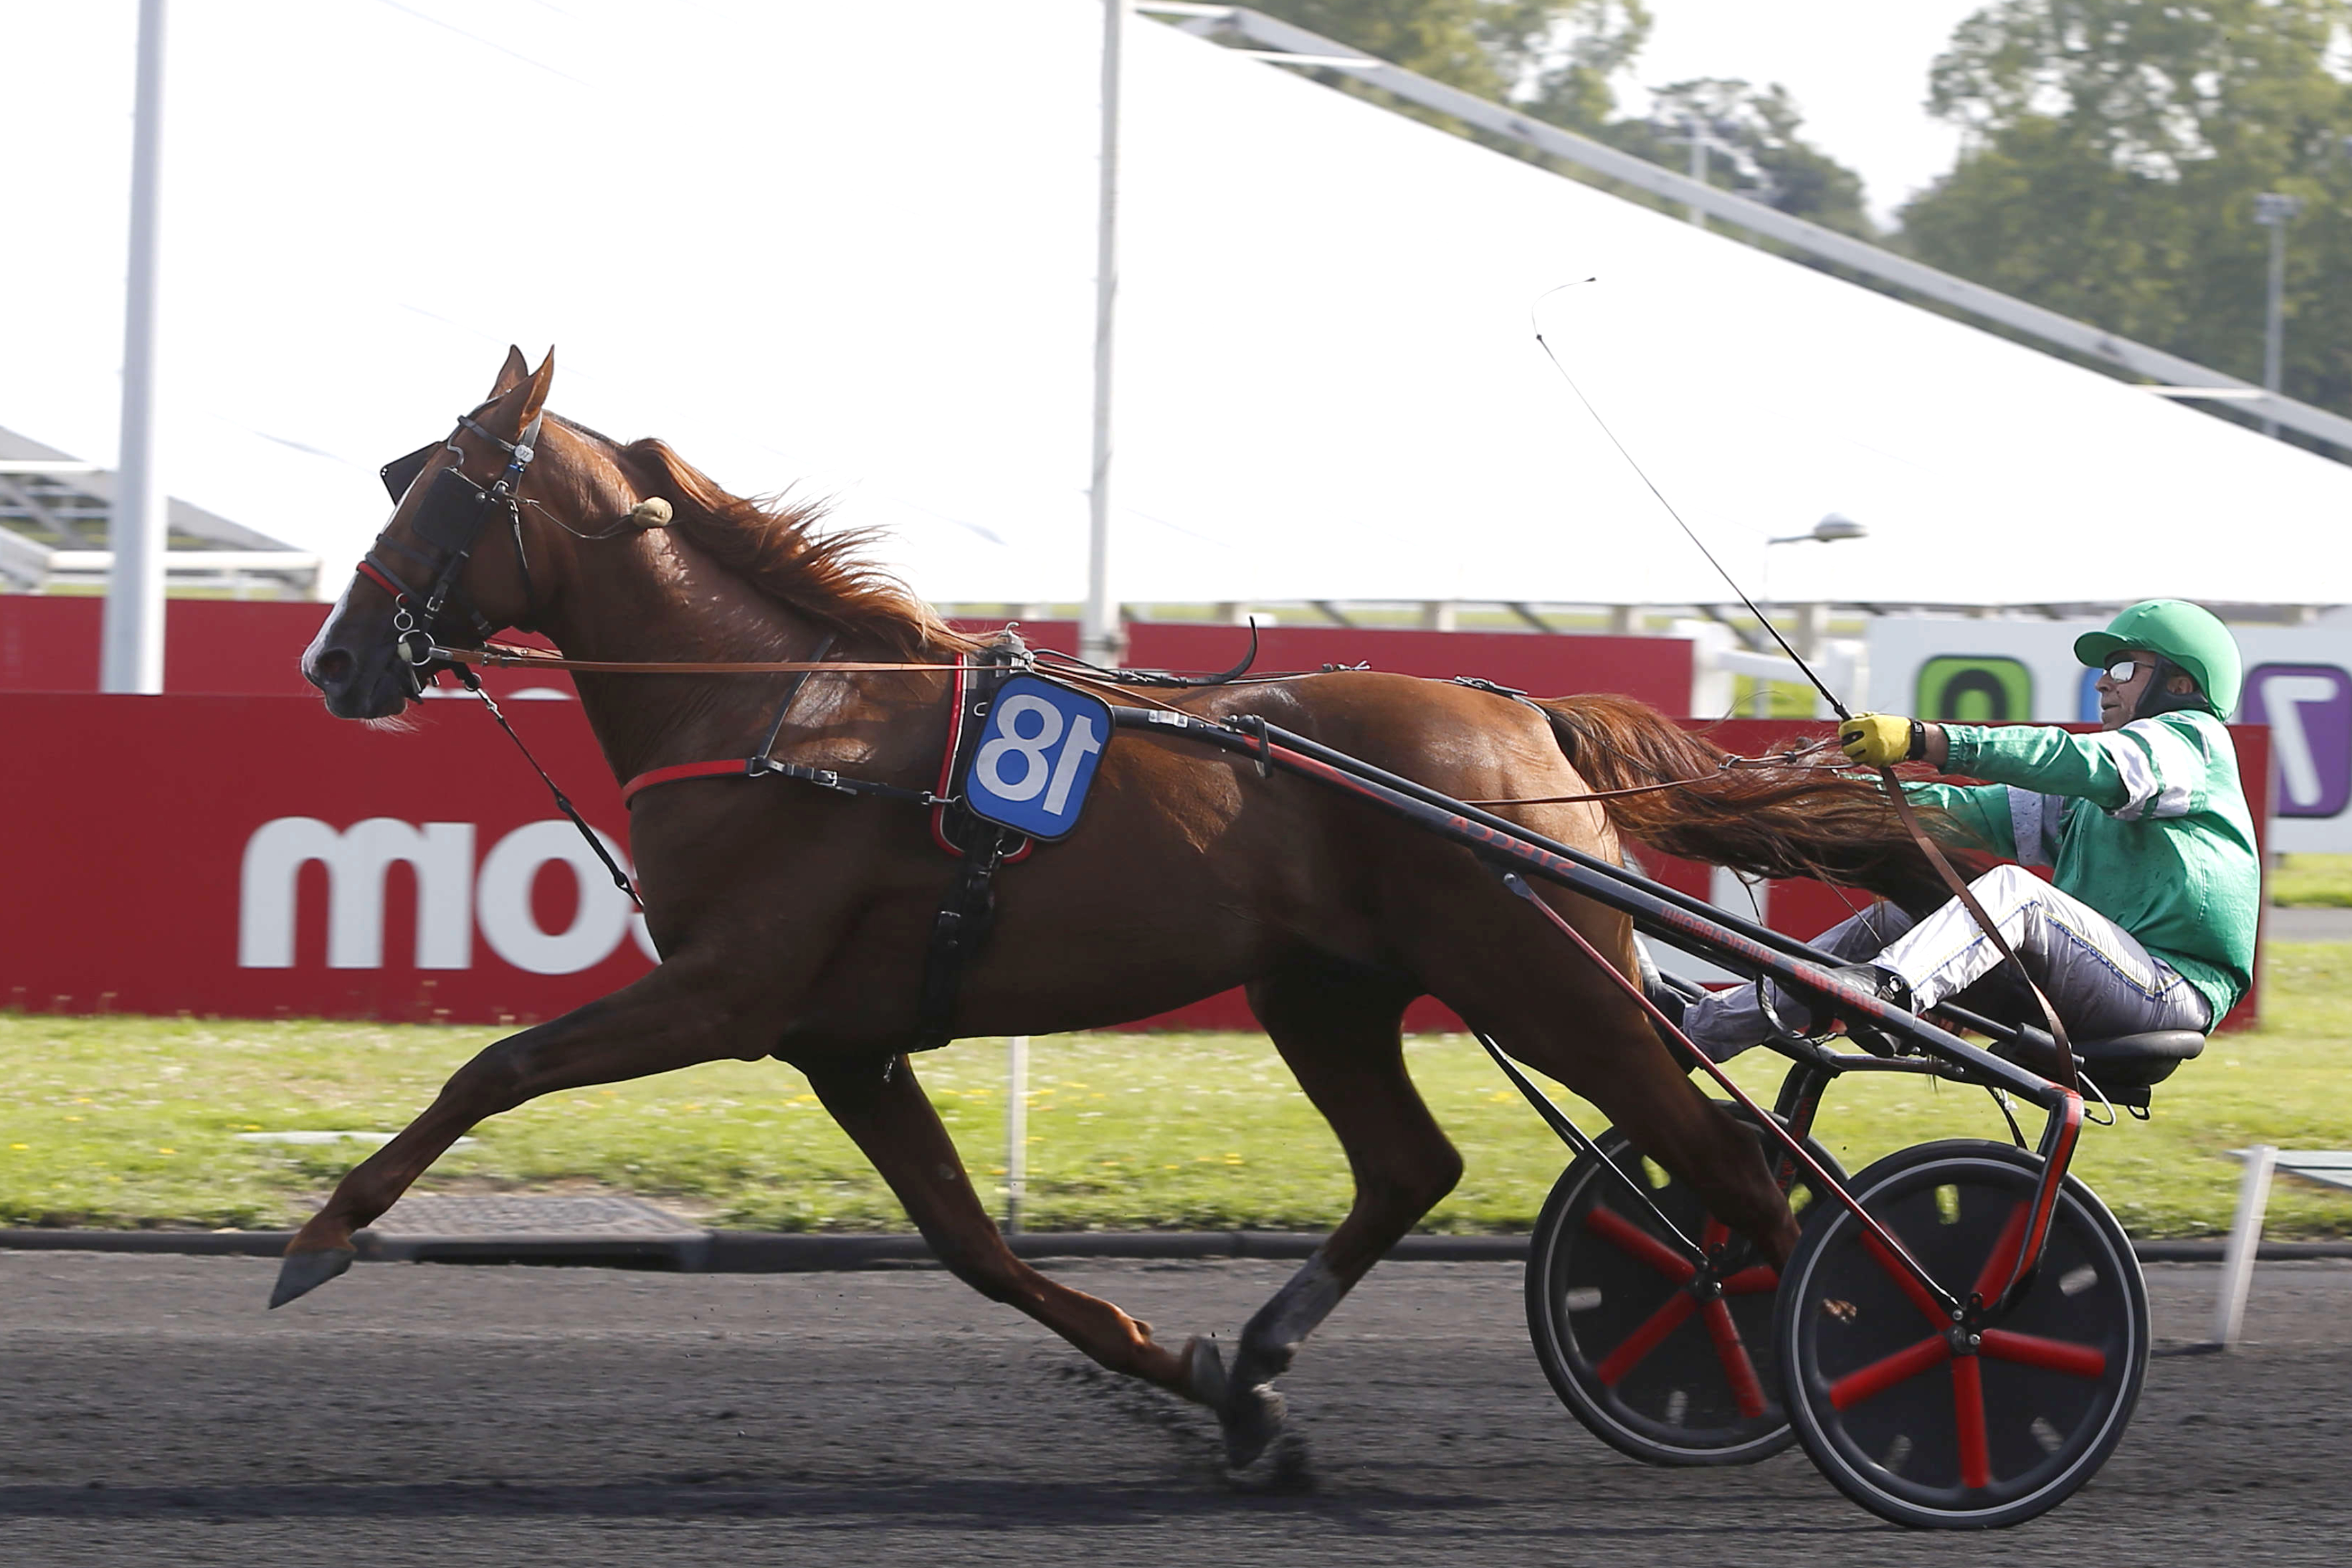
[(2137, 1061), (2123, 1068)]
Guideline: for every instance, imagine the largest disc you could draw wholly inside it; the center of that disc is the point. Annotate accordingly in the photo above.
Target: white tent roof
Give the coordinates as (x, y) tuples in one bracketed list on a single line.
[(850, 248)]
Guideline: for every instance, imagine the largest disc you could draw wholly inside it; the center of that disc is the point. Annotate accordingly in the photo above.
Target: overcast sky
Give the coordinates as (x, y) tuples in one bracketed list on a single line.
[(1858, 70)]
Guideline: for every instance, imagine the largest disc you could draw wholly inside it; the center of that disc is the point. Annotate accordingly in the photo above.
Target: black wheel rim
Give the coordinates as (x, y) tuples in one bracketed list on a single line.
[(1923, 1424), (1654, 1359)]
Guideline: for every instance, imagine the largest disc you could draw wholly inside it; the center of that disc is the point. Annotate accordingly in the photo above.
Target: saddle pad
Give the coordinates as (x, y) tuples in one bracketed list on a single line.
[(1036, 757)]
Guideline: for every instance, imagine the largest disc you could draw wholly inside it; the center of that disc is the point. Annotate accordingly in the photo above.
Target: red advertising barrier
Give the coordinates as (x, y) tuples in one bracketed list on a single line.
[(214, 647), (227, 648), (49, 642), (251, 857)]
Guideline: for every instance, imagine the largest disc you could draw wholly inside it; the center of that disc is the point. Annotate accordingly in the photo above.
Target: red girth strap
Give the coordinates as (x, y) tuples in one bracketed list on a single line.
[(738, 767)]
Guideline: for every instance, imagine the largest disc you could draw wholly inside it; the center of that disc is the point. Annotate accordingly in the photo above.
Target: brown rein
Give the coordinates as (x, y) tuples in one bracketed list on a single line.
[(494, 655), (507, 656), (1787, 759)]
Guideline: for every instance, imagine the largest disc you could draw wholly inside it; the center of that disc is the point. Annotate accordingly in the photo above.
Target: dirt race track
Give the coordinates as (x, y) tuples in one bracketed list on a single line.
[(152, 1413)]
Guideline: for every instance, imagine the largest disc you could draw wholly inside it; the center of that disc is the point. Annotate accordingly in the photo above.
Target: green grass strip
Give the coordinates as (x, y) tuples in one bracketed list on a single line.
[(125, 1122), (2313, 881)]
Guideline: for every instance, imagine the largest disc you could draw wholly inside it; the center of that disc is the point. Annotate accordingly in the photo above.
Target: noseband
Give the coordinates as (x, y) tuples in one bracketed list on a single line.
[(450, 523)]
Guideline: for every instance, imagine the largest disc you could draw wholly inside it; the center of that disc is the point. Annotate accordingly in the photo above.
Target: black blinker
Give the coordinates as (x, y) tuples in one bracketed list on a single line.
[(401, 473), (452, 513)]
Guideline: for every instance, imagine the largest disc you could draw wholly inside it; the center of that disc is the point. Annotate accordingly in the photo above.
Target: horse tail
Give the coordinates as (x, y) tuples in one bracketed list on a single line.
[(1770, 819)]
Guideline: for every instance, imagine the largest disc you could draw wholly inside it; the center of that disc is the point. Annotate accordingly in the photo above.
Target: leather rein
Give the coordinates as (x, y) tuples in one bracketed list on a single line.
[(507, 656)]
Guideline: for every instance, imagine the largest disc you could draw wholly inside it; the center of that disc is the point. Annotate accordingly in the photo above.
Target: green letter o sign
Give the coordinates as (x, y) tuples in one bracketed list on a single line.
[(1975, 689)]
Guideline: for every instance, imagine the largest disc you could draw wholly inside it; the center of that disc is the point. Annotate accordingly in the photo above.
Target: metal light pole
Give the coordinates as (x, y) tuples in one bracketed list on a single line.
[(2275, 212), (1698, 143), (1099, 636), (134, 656), (1016, 1132)]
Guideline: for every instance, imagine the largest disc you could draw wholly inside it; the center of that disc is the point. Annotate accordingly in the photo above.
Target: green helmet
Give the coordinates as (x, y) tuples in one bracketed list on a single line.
[(2190, 638)]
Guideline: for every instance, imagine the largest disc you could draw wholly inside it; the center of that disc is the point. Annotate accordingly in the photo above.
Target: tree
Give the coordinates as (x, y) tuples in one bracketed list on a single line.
[(1763, 158), (1555, 60), (2117, 147)]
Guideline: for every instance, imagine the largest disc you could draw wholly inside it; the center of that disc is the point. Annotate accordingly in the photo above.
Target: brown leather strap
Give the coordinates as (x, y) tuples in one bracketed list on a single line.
[(1728, 764), (2063, 1076), (531, 658)]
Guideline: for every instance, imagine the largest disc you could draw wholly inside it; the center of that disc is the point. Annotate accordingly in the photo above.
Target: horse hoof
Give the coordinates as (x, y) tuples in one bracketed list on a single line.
[(1252, 1418), (1204, 1375), (303, 1272)]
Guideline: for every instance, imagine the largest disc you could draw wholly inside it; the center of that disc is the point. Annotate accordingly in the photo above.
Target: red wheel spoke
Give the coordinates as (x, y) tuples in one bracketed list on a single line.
[(1745, 1387), (2051, 1355), (1895, 1266), (1645, 1339), (1968, 1403), (1881, 1375), (1615, 1228), (1756, 1279), (2003, 1261), (1714, 1234)]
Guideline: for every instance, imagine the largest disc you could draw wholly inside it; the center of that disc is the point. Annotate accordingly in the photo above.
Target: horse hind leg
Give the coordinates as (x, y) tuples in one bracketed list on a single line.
[(893, 1123), (1623, 1068), (1558, 1014), (1338, 1033)]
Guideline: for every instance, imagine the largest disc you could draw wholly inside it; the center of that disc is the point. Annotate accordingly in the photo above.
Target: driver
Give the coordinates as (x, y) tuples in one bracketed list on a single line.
[(2149, 922)]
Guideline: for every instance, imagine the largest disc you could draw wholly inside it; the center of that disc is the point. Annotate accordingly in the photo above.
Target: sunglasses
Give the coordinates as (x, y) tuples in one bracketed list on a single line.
[(2123, 670)]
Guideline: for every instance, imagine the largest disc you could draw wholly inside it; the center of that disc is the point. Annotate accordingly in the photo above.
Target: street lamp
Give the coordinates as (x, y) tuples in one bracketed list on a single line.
[(2275, 212), (1833, 528), (1702, 136)]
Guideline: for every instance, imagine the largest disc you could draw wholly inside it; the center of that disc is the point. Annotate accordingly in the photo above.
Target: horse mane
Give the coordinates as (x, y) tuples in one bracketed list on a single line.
[(770, 543)]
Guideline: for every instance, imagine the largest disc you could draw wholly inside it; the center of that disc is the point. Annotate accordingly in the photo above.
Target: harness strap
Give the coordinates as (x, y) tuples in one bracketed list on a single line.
[(763, 767), (792, 694), (969, 905), (563, 802), (382, 578), (505, 656)]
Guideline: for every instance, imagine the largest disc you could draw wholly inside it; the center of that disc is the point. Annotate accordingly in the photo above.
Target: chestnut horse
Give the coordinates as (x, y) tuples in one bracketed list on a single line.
[(793, 923)]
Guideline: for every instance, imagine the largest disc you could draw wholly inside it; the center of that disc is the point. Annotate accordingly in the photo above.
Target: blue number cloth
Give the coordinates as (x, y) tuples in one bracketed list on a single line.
[(1036, 756)]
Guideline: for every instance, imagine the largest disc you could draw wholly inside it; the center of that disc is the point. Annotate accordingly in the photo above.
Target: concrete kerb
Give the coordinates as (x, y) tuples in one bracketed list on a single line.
[(765, 1252)]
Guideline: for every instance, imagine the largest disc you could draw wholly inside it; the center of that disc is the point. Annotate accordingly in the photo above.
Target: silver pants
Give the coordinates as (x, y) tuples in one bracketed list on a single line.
[(2102, 982)]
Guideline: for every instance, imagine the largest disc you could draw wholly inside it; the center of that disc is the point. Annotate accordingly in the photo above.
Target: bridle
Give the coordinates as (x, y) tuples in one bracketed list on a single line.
[(451, 522)]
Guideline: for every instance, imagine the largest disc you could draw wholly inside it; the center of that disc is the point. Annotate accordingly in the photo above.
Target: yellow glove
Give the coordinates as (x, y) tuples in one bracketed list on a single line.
[(1880, 740)]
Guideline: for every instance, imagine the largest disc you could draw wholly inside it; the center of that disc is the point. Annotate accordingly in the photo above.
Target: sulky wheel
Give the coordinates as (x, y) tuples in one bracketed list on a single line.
[(1668, 1363), (1989, 1423)]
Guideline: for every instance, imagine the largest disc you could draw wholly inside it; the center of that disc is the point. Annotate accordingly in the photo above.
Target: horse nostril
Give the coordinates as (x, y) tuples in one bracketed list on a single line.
[(330, 668)]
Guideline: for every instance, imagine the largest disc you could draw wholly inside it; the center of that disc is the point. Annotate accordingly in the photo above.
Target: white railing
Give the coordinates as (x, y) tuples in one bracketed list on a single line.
[(1717, 660)]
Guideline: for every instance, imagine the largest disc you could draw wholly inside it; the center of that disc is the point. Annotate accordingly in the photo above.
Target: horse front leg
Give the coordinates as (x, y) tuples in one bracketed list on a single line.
[(678, 1015), (893, 1122)]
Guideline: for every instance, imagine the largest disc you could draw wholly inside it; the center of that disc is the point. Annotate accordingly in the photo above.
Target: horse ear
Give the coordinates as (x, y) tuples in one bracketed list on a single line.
[(511, 374), (534, 397)]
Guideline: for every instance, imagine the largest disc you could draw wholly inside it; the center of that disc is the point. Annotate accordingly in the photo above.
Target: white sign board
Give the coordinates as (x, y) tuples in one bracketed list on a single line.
[(2298, 682)]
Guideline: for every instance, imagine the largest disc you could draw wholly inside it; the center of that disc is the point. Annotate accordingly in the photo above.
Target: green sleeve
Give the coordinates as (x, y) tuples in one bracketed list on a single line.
[(1979, 813), (2041, 758)]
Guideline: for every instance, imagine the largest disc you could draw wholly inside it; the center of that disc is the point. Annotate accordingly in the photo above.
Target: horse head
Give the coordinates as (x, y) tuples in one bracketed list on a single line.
[(451, 565)]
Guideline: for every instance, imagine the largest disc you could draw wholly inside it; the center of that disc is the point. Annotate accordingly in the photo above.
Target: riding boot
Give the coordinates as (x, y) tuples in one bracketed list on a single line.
[(1888, 987)]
